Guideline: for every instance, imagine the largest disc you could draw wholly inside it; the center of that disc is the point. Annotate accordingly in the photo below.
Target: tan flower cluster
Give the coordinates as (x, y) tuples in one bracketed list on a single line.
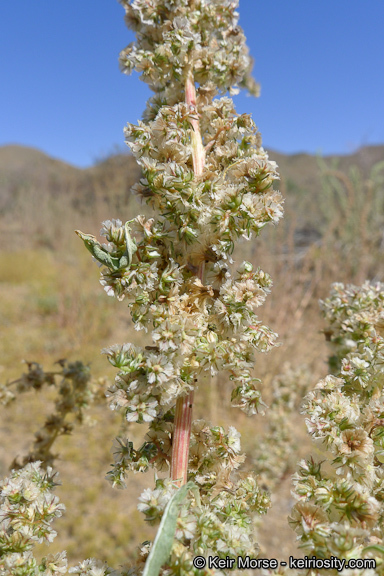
[(341, 511), (175, 36)]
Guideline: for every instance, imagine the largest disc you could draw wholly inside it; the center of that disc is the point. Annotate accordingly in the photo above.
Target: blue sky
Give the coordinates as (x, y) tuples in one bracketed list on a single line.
[(320, 65)]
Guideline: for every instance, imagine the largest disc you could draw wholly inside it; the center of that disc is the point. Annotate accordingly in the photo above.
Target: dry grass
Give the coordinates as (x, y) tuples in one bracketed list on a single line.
[(51, 307)]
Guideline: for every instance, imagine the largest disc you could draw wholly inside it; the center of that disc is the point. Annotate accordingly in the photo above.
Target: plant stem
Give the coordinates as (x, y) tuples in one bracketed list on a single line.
[(183, 414), (198, 151), (181, 438)]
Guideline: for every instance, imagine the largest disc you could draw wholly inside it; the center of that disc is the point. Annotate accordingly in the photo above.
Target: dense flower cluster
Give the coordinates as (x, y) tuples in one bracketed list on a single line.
[(175, 36), (27, 509), (352, 312), (194, 332), (340, 511), (198, 323)]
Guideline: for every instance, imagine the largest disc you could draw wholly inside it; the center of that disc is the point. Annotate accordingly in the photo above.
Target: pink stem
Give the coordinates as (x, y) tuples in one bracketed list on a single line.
[(181, 438), (183, 415), (198, 152)]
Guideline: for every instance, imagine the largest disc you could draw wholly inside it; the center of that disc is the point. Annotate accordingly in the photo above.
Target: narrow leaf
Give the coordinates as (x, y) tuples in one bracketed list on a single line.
[(162, 546)]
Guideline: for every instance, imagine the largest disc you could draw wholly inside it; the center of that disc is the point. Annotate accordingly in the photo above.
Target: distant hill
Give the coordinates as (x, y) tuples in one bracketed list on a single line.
[(301, 171), (30, 162), (25, 170)]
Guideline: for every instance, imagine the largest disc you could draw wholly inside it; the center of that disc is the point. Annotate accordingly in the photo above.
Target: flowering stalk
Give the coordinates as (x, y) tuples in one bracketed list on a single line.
[(340, 511), (209, 182)]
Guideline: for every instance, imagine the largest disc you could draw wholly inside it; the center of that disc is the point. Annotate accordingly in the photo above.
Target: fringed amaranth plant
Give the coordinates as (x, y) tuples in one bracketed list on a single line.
[(209, 182), (340, 508)]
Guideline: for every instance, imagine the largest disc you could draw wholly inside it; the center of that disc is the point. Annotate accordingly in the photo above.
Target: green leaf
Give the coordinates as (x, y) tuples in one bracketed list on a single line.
[(162, 545)]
